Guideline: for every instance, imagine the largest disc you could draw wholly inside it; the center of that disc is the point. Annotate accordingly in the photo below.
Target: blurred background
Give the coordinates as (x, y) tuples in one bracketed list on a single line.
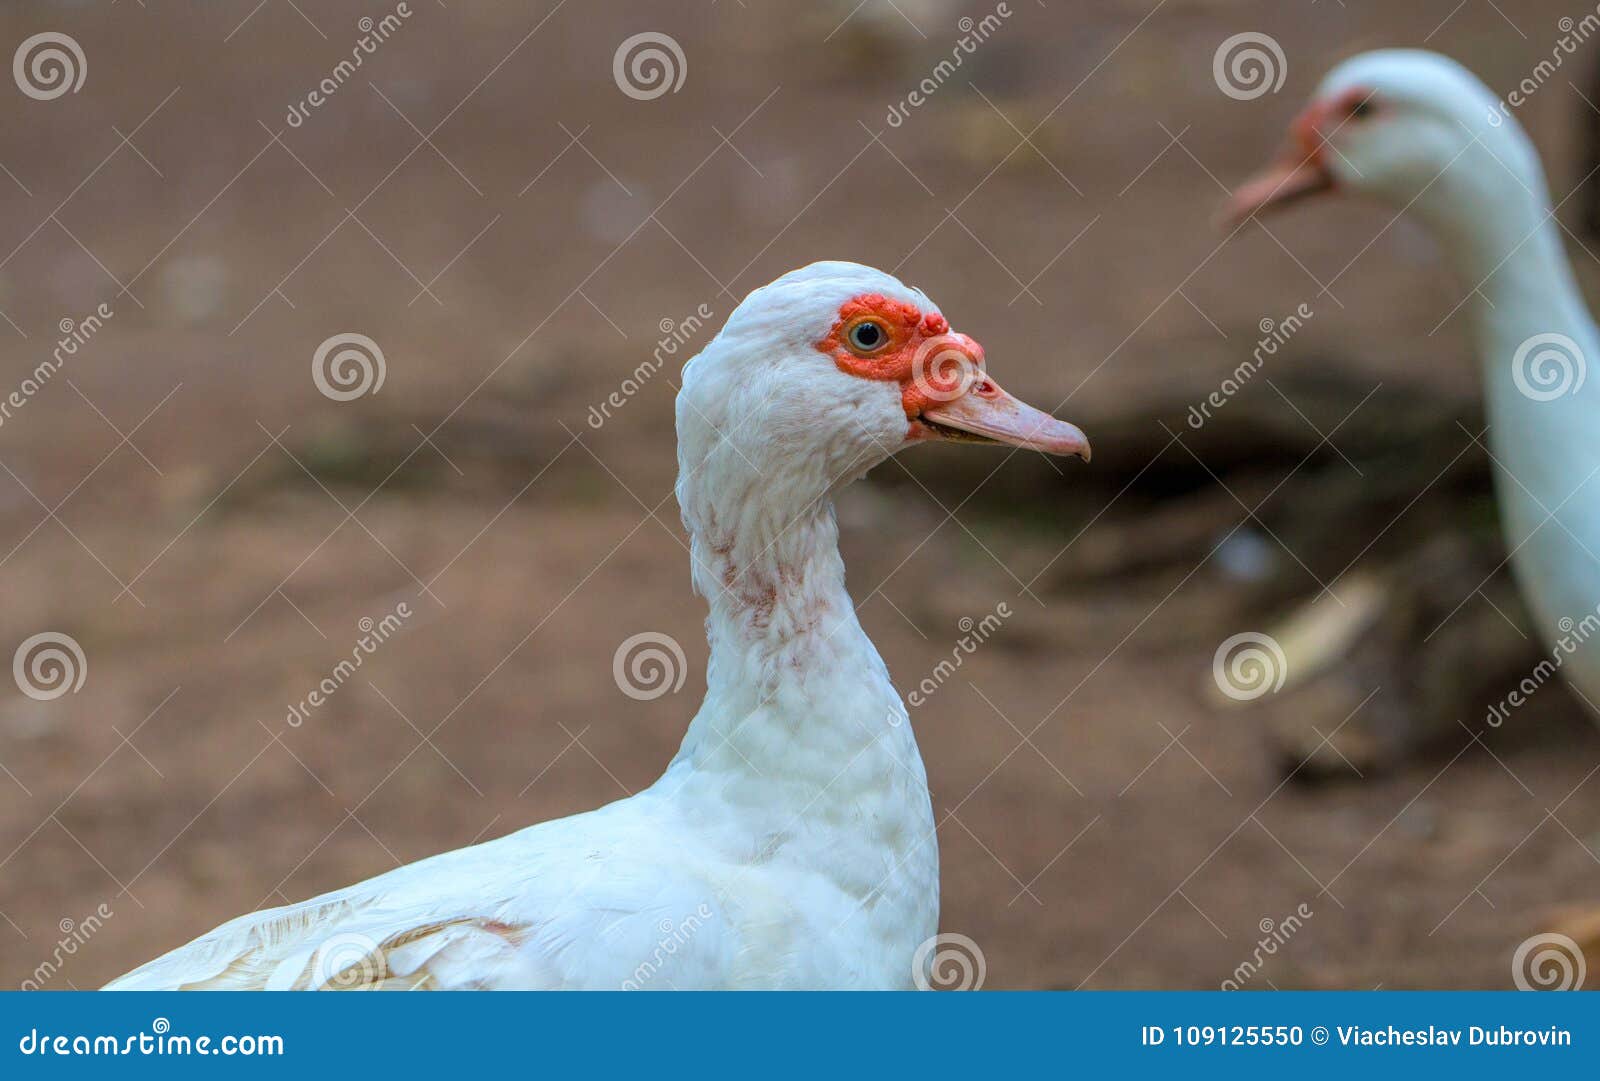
[(515, 224)]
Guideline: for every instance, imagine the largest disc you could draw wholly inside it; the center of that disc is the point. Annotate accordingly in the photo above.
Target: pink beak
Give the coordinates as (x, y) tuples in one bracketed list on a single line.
[(987, 414)]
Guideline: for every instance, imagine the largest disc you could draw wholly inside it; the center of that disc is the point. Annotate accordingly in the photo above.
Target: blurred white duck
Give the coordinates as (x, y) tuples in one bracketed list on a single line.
[(1419, 132), (790, 843)]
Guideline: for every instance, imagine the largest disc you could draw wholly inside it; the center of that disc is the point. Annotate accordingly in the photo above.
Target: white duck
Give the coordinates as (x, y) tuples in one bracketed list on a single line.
[(790, 843), (1419, 132)]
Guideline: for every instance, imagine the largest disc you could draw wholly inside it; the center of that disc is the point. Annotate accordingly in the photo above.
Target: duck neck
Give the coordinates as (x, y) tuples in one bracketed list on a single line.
[(1523, 285), (795, 690)]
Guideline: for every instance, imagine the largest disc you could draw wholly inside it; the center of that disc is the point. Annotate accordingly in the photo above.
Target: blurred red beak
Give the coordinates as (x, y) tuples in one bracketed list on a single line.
[(1293, 176), (1299, 170), (987, 414)]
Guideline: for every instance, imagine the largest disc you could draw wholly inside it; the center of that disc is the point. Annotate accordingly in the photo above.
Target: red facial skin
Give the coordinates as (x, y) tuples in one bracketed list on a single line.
[(1319, 119), (907, 330)]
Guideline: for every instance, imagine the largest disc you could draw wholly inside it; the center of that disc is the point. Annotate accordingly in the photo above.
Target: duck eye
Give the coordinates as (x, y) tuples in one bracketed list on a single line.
[(1363, 109), (866, 336)]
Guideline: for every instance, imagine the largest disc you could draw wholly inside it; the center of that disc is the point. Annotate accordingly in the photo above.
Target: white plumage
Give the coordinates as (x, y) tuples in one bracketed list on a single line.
[(1422, 134), (790, 843)]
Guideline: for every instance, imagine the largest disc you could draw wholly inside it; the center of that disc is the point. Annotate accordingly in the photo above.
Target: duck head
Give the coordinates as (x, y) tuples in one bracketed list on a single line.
[(835, 367), (815, 379), (1413, 129)]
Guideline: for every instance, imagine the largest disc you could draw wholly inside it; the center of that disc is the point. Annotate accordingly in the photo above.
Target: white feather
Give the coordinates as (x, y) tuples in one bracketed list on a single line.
[(790, 844)]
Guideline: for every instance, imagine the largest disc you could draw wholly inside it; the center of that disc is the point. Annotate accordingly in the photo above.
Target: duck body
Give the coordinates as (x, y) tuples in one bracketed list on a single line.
[(790, 844), (1547, 452)]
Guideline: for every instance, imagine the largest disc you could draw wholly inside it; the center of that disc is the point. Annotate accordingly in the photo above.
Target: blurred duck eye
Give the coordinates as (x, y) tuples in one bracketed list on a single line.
[(867, 336), (1362, 109)]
